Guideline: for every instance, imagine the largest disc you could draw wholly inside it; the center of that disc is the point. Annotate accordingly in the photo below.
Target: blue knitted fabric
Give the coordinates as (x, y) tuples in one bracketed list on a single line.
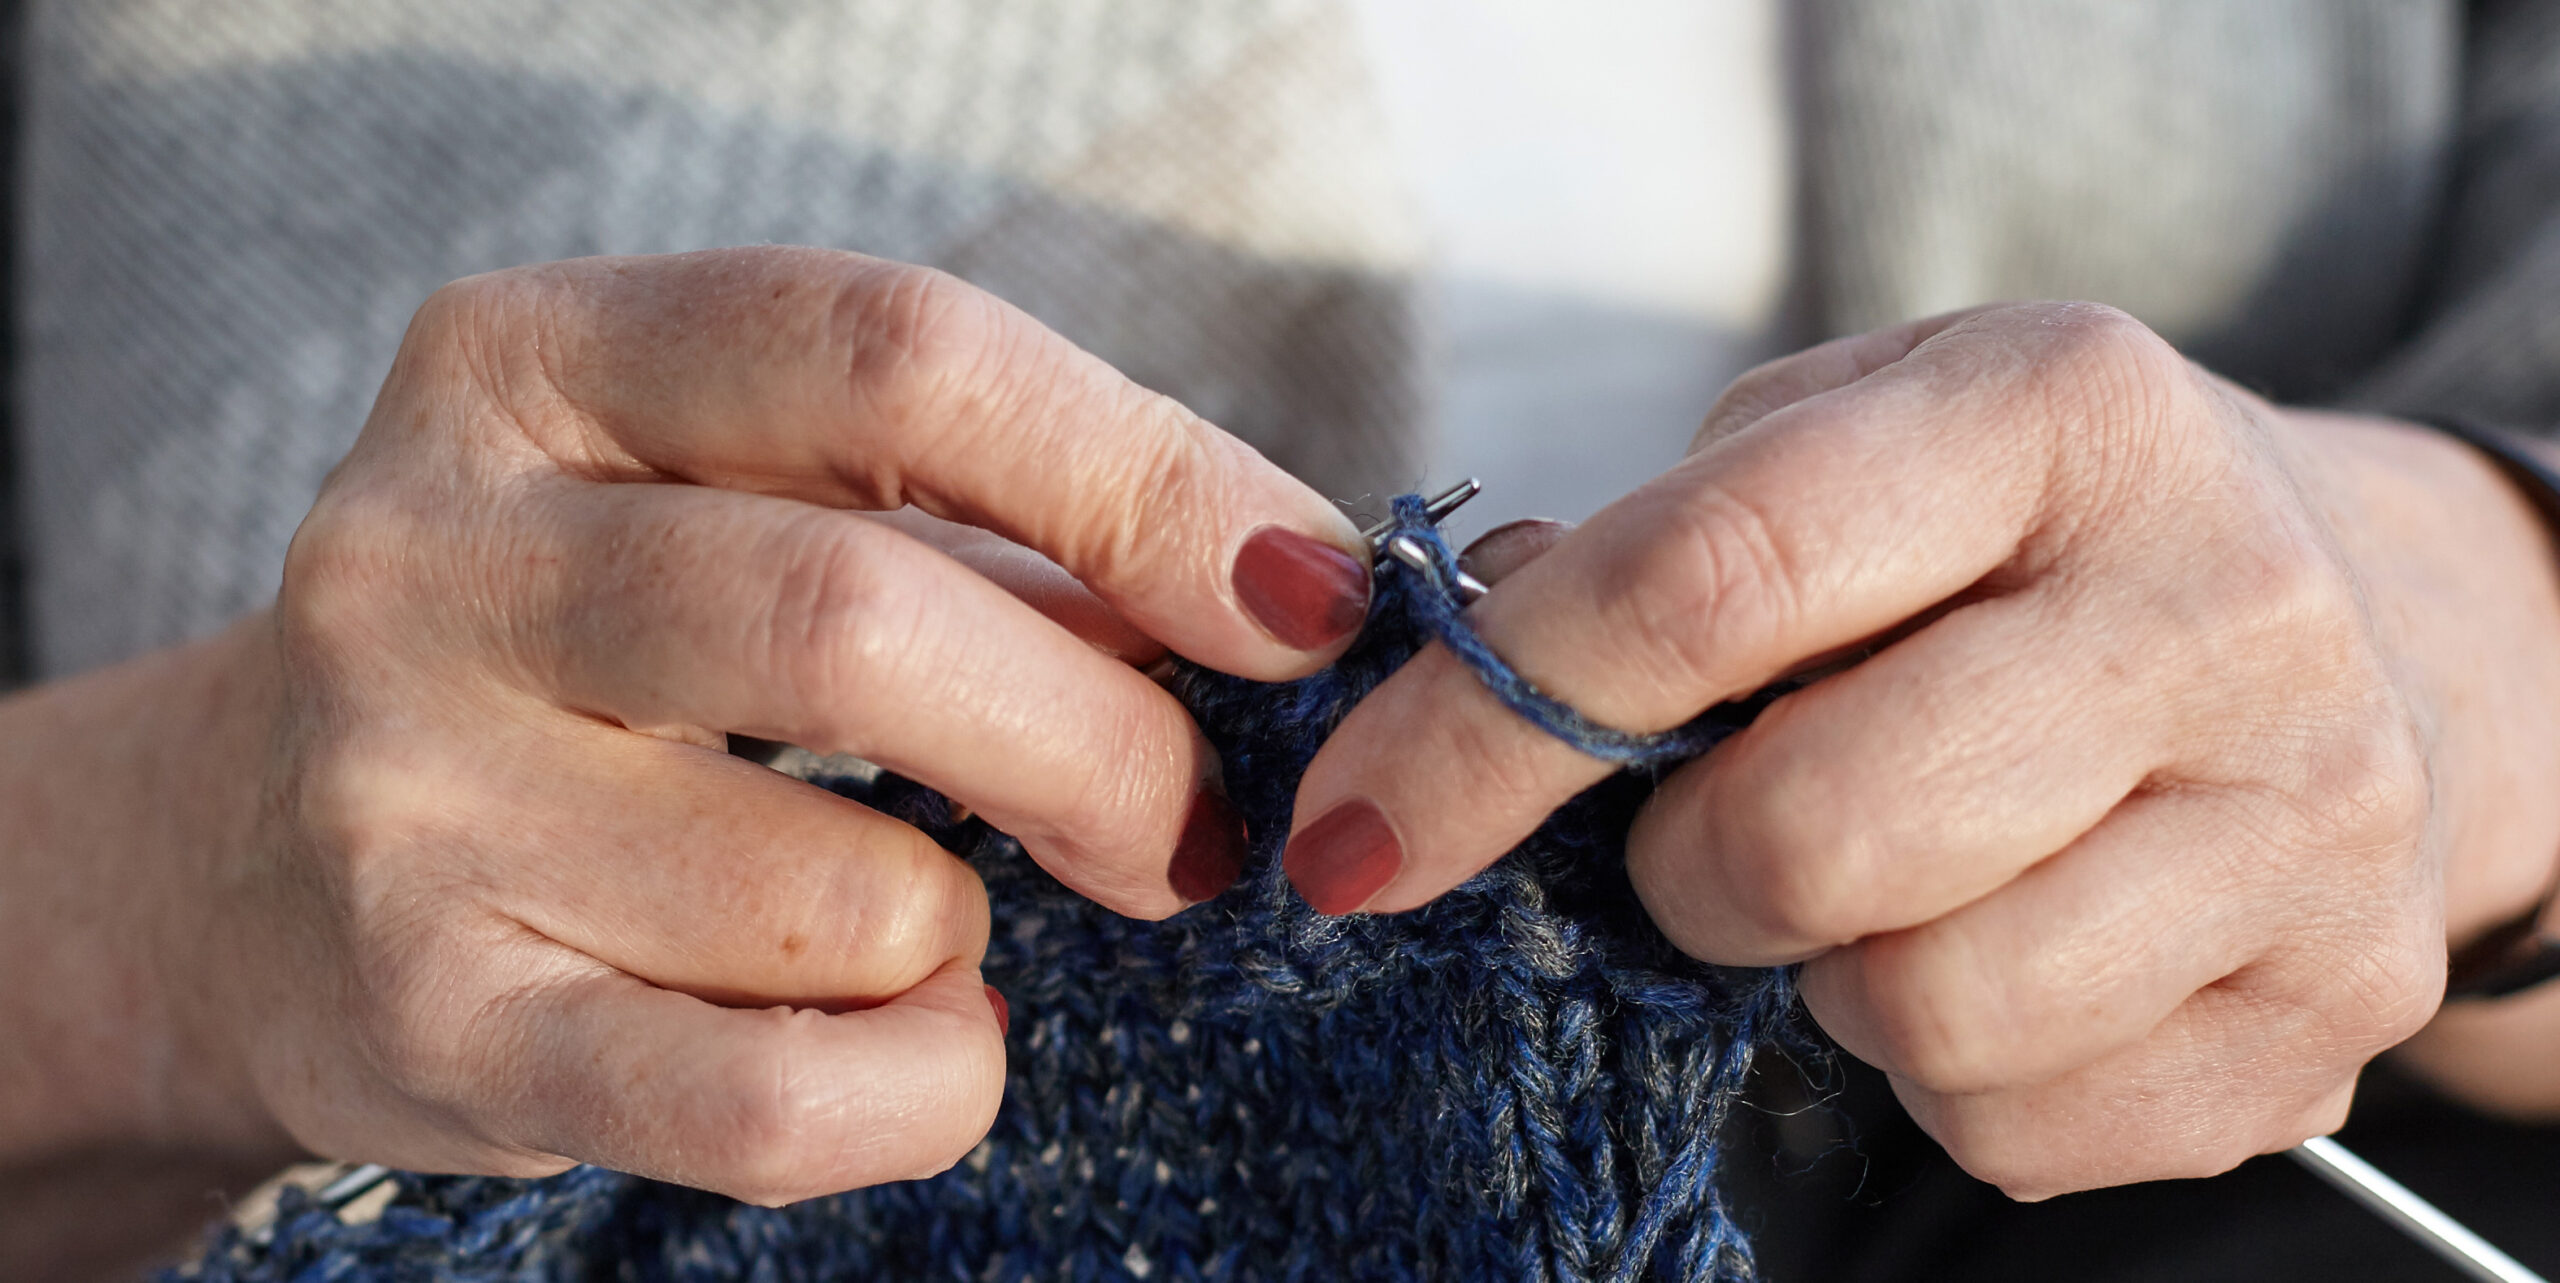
[(1520, 1081)]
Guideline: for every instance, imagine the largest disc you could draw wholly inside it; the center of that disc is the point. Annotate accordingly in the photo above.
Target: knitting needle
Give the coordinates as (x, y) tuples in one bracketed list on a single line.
[(349, 1186), (2331, 1161), (2416, 1217), (345, 1189), (2328, 1158), (1409, 550), (1406, 549), (1437, 508)]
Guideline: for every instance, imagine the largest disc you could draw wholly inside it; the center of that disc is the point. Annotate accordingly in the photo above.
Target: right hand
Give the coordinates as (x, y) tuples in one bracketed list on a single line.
[(508, 905)]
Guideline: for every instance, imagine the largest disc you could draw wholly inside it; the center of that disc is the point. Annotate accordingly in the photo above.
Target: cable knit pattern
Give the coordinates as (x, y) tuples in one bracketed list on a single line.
[(1521, 1081)]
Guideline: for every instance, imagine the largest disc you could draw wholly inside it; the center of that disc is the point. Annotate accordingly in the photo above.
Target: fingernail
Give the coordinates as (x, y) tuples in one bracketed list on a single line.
[(1211, 853), (1306, 593), (1004, 1014), (1344, 858), (1509, 546)]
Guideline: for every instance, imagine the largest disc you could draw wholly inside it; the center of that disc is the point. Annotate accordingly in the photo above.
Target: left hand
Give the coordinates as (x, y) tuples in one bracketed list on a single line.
[(2190, 727)]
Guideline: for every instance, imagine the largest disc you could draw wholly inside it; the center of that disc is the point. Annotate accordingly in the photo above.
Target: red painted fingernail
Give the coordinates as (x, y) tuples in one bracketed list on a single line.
[(1211, 853), (1004, 1014), (1344, 858), (1306, 593)]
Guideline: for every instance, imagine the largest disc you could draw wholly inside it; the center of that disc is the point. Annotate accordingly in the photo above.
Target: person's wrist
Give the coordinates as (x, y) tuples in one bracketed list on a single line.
[(122, 1108), (2459, 574), (2523, 950), (212, 858), (149, 782), (2463, 588)]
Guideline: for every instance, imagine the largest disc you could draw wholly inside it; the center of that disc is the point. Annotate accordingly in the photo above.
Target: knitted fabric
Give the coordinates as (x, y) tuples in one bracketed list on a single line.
[(1522, 1080)]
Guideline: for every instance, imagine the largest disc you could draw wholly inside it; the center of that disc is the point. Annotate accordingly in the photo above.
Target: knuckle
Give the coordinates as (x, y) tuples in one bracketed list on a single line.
[(1162, 469), (2372, 791), (2027, 1172), (1715, 569), (354, 544), (1121, 833), (778, 1137), (1751, 397), (2325, 1116), (2030, 1161), (2285, 585), (2108, 375), (432, 1033), (2103, 348), (917, 342), (2350, 785), (908, 932), (493, 331), (2386, 990), (1796, 862), (786, 1130), (845, 616), (1796, 894), (1942, 1023), (1999, 1144)]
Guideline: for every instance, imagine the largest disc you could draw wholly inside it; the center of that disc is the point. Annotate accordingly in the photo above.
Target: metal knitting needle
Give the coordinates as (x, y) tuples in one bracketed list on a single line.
[(1437, 508), (2448, 1238), (1406, 549), (1409, 550), (349, 1186), (2416, 1217), (345, 1189)]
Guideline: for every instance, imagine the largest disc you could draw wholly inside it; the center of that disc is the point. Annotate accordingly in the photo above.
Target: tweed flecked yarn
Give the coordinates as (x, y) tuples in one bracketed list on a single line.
[(1520, 1081)]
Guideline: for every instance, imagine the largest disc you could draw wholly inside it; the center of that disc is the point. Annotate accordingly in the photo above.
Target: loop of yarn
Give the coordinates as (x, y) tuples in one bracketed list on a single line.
[(1521, 1080), (1436, 603)]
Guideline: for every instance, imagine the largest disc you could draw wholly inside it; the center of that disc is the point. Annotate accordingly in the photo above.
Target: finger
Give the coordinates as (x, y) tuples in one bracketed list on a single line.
[(770, 1106), (786, 622), (1035, 581), (1824, 523), (1902, 788), (1774, 385), (2233, 1074), (854, 382), (713, 877), (2082, 956), (1508, 547)]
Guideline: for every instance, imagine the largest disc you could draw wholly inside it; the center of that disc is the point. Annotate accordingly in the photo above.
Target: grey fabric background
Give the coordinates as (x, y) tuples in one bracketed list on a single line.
[(222, 250), (228, 208)]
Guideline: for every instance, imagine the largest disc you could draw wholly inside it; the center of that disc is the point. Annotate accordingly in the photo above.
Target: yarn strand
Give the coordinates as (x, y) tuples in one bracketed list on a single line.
[(1520, 1080), (1436, 602)]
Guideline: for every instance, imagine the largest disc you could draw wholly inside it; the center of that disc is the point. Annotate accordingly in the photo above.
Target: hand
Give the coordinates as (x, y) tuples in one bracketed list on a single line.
[(508, 905), (2117, 852)]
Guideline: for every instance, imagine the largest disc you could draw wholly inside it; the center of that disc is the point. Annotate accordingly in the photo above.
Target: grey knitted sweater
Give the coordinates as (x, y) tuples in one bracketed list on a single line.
[(228, 208)]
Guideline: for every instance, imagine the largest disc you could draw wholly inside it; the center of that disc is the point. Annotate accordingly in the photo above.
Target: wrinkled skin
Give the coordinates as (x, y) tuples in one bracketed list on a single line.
[(448, 868), (2184, 731)]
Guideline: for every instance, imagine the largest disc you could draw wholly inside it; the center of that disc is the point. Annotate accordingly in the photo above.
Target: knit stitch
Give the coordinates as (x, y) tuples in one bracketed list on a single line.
[(1522, 1080)]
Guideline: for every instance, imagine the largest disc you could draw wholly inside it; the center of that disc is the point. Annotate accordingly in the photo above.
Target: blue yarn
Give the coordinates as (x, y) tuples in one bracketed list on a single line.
[(1522, 1080), (1435, 603)]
